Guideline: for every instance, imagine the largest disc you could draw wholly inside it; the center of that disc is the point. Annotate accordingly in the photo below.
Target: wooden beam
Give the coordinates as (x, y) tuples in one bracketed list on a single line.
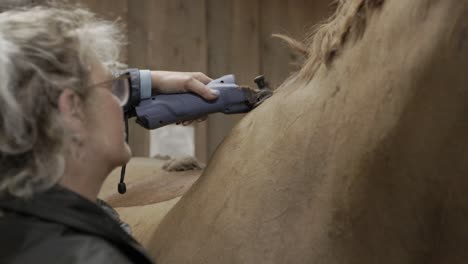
[(169, 35), (233, 39), (293, 18)]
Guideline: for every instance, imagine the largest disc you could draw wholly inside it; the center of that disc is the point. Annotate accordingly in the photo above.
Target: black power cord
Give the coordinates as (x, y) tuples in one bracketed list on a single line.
[(122, 187), (134, 83)]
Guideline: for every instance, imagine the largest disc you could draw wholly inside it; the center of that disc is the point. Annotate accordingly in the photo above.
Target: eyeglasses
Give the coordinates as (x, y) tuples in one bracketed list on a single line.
[(120, 87)]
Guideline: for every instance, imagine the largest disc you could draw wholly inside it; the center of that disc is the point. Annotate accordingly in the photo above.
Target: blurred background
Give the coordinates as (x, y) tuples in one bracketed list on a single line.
[(216, 37)]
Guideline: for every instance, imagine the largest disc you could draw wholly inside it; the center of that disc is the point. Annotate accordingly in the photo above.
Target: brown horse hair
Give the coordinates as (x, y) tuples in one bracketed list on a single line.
[(326, 40)]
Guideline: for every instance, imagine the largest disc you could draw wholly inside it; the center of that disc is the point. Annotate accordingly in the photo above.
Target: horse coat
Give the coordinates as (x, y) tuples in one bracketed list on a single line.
[(360, 157), (151, 193)]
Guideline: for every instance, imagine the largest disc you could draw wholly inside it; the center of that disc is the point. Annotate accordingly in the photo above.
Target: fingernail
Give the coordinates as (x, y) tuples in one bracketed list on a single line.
[(214, 92)]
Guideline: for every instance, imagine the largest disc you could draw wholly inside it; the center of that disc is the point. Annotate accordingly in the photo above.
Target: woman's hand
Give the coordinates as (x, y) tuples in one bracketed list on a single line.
[(181, 82)]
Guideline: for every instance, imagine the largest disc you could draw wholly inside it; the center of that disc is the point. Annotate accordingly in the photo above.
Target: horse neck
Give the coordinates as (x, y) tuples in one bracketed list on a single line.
[(362, 162)]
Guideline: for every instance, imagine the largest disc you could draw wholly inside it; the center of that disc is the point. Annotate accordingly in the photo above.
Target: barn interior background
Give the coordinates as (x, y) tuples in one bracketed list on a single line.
[(212, 36)]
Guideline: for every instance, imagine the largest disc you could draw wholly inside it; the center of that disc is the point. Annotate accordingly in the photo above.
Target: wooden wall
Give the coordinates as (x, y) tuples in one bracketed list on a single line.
[(240, 42), (213, 36)]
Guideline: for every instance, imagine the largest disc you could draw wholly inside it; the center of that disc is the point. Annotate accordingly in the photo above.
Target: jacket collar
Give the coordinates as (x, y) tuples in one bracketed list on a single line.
[(68, 208)]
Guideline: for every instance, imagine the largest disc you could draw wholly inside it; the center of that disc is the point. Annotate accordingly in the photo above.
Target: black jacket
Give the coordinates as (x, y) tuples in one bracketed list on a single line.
[(60, 226)]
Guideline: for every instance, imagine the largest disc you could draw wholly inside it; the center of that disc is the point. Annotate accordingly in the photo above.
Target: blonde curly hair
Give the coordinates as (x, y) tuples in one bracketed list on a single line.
[(44, 49)]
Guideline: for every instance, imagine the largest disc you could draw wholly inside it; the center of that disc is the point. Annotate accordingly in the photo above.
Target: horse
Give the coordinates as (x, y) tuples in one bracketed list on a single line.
[(359, 157)]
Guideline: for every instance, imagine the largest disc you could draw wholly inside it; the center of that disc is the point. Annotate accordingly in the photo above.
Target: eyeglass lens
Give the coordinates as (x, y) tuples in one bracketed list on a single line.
[(121, 89)]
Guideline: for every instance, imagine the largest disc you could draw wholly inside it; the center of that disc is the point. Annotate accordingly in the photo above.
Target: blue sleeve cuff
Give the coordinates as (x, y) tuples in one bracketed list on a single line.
[(145, 84)]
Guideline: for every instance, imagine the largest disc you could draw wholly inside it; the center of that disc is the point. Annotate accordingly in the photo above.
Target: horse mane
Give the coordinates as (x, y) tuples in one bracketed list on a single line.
[(327, 39)]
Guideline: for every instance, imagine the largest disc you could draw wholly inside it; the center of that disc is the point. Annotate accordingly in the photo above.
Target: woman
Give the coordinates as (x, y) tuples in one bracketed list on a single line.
[(62, 133)]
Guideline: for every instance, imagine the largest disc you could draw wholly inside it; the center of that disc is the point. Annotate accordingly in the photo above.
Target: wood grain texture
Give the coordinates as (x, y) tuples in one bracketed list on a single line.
[(240, 42), (9, 4), (168, 35), (233, 41), (139, 35), (293, 18)]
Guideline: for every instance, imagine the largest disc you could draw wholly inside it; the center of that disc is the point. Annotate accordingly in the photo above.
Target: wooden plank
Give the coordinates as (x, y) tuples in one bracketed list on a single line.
[(240, 41), (112, 10), (176, 34), (233, 39), (293, 18), (169, 35), (219, 17), (10, 4), (138, 54)]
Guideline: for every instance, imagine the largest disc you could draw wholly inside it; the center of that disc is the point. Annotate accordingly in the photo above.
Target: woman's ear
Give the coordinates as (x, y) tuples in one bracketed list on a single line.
[(71, 109)]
